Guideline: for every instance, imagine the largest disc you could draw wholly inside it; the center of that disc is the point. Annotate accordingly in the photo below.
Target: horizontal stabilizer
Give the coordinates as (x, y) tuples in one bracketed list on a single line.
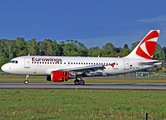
[(151, 63)]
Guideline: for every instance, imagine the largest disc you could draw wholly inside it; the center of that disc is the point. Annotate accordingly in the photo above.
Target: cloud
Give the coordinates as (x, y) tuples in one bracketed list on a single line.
[(160, 19)]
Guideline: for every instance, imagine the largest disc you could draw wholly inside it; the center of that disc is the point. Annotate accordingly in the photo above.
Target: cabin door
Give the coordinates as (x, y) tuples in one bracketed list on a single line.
[(126, 64), (26, 62)]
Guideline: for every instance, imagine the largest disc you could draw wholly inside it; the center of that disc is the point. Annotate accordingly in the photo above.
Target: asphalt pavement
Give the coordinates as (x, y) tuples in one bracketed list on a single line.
[(87, 86)]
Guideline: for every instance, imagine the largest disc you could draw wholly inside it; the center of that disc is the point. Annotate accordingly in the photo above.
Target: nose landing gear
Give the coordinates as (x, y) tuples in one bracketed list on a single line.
[(26, 79)]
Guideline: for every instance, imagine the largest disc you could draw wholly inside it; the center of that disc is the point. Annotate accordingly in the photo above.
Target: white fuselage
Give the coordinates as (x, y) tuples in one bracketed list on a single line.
[(43, 65)]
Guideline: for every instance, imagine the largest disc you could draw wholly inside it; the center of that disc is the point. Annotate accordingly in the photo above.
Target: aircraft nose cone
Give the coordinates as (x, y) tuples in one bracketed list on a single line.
[(3, 68)]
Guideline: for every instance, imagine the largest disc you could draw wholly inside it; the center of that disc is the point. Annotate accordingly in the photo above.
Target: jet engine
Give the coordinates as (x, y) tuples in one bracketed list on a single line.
[(58, 76)]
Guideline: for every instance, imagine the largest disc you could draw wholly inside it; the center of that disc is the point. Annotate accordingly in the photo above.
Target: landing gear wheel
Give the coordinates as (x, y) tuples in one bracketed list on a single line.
[(76, 82), (81, 82), (26, 82)]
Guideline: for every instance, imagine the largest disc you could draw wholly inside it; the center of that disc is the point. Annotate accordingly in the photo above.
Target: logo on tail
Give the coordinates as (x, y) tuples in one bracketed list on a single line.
[(147, 47)]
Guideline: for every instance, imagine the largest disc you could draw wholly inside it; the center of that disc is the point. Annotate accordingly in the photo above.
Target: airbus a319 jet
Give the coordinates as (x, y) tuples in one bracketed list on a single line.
[(61, 68)]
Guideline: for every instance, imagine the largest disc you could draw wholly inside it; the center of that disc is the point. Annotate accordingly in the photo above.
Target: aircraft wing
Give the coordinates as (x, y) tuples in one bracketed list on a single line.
[(78, 70)]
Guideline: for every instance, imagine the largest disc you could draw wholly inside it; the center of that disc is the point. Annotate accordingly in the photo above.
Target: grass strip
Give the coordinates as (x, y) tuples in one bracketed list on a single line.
[(81, 104)]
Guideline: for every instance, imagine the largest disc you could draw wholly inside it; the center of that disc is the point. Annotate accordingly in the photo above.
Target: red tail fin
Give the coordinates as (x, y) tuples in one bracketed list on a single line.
[(145, 49)]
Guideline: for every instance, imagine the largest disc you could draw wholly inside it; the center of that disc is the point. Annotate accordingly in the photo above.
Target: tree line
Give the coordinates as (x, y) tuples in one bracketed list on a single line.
[(48, 47)]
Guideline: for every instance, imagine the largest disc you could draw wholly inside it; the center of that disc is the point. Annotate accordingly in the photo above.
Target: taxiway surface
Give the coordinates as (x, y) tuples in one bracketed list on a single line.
[(88, 86)]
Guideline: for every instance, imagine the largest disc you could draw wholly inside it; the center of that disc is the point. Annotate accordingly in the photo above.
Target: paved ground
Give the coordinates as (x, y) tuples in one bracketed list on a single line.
[(89, 86)]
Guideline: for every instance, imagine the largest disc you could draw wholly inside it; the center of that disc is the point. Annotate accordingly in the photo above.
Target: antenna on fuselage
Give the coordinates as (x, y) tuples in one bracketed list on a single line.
[(98, 55), (29, 54)]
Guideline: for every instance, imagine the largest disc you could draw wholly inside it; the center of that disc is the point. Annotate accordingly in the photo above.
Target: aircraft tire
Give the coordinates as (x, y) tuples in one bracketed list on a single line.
[(76, 82), (81, 82), (26, 82)]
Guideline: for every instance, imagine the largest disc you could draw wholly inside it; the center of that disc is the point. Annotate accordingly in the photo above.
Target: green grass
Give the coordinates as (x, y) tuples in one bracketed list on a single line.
[(81, 104)]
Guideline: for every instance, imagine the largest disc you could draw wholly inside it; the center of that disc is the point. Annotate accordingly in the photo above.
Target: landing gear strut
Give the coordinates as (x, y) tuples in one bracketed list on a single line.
[(26, 79), (79, 82)]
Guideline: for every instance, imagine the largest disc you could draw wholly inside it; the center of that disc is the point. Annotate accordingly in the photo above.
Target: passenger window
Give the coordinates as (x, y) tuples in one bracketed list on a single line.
[(64, 62)]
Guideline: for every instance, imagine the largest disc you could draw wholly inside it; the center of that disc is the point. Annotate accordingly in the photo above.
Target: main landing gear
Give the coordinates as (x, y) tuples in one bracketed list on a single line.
[(79, 82), (26, 79)]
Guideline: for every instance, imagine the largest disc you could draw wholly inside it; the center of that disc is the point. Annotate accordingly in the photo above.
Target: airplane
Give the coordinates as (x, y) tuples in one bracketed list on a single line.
[(62, 68)]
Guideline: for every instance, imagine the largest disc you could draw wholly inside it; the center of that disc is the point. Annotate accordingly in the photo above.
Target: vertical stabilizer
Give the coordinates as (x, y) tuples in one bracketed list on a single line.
[(145, 49)]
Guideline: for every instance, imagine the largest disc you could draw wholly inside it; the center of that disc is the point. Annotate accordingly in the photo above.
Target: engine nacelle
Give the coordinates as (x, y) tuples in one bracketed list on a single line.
[(58, 76)]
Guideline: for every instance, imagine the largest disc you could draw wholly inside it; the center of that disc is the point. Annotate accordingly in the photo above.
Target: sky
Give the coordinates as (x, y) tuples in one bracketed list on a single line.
[(91, 22)]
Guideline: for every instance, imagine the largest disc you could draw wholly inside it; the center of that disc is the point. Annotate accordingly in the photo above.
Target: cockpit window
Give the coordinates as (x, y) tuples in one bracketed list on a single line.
[(13, 61)]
